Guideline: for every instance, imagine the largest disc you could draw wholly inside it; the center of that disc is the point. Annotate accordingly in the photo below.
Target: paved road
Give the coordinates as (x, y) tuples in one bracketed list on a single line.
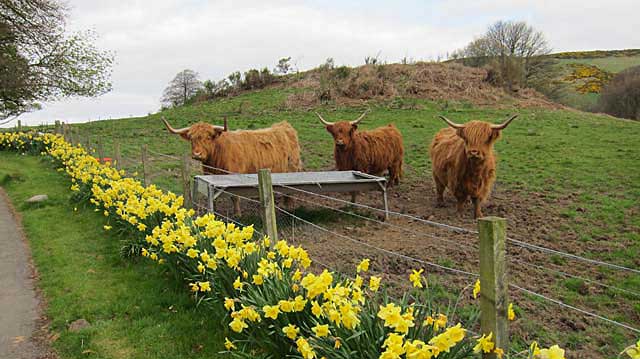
[(18, 301)]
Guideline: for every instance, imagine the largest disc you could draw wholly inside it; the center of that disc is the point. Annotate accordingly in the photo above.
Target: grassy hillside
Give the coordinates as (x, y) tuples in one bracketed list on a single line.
[(610, 62), (566, 180)]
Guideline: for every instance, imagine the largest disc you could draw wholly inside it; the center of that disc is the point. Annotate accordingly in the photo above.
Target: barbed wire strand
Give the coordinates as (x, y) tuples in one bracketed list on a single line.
[(575, 276), (456, 244), (565, 305), (572, 256), (400, 255)]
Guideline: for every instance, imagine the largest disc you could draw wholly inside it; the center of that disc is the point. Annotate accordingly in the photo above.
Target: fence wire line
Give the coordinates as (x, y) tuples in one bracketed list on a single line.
[(453, 228), (426, 221), (585, 312), (458, 271), (418, 233), (575, 276), (572, 256)]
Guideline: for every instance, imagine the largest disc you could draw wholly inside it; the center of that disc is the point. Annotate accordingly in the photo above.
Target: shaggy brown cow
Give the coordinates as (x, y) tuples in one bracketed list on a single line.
[(242, 151), (372, 152), (463, 160)]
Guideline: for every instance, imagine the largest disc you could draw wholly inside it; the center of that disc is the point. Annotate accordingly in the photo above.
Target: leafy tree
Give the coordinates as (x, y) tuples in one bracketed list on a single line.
[(284, 66), (40, 62), (183, 87)]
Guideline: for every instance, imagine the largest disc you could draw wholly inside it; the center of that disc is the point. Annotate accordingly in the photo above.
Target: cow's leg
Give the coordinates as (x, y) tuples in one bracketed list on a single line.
[(439, 192), (477, 212), (289, 202), (460, 205), (236, 206)]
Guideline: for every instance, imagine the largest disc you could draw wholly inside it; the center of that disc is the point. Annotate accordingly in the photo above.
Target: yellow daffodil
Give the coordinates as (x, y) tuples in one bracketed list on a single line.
[(291, 331), (416, 278), (321, 330), (363, 266), (228, 344), (510, 313), (476, 289)]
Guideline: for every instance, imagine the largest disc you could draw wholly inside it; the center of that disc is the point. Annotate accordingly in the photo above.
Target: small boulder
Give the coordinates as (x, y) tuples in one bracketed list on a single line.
[(78, 325), (38, 198)]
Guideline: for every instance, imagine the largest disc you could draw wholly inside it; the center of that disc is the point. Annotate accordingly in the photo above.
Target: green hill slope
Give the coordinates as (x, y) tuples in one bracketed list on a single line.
[(603, 63)]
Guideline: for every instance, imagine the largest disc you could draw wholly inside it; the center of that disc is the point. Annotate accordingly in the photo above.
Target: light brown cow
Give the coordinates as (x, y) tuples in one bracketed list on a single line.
[(463, 161), (373, 151), (242, 151)]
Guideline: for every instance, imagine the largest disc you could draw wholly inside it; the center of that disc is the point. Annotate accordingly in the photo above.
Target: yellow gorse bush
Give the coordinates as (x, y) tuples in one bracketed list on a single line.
[(266, 288)]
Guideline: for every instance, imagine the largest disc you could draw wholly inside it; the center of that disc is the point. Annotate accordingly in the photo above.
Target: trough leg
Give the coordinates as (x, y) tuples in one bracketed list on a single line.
[(210, 200), (386, 204)]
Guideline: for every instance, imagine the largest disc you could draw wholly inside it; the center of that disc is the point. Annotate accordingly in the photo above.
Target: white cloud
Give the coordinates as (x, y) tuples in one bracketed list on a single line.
[(155, 39)]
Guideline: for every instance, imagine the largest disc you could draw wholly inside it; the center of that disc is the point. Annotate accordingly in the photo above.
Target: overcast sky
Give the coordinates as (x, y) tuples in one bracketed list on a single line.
[(154, 39)]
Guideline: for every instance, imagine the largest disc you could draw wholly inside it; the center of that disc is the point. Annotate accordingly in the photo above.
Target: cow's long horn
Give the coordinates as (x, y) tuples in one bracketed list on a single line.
[(451, 123), (173, 130), (326, 123), (503, 125), (357, 120)]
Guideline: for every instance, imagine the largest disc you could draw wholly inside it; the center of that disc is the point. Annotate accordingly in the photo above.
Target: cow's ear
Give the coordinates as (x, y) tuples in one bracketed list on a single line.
[(460, 133), (217, 132), (495, 135), (185, 136), (354, 127), (329, 128)]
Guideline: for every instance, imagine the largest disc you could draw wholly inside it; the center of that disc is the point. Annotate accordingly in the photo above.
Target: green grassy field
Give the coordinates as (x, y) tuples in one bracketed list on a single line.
[(134, 310), (613, 64)]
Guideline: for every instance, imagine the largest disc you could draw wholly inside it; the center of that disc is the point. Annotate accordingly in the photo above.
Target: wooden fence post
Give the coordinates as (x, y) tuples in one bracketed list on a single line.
[(186, 177), (145, 166), (56, 128), (116, 154), (493, 282), (19, 125), (267, 204), (100, 151)]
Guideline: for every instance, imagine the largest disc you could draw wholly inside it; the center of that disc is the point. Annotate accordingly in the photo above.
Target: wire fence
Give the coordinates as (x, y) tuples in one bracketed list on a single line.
[(337, 249)]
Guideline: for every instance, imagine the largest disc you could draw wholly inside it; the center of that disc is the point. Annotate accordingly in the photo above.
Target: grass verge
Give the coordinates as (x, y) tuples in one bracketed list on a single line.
[(134, 310)]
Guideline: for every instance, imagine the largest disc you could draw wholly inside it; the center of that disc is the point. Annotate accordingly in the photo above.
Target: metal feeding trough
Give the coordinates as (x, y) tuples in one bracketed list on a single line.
[(246, 185)]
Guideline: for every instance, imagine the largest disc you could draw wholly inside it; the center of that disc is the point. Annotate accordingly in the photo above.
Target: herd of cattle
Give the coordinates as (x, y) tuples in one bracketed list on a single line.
[(461, 155)]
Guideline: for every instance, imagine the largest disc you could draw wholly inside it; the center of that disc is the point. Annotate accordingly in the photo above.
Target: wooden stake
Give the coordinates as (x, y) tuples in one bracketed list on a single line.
[(493, 282), (145, 166), (100, 151), (267, 204), (186, 176), (117, 158)]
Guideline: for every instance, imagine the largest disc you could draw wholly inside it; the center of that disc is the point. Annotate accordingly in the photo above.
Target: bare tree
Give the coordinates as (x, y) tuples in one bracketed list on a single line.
[(40, 62), (515, 47), (183, 87)]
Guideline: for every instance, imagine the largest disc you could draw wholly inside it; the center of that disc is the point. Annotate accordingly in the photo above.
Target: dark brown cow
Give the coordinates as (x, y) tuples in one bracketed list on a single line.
[(242, 151), (462, 160), (373, 151)]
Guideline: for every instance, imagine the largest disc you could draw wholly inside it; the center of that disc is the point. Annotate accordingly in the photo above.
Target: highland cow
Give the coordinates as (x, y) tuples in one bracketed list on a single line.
[(463, 161), (373, 151), (242, 151)]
